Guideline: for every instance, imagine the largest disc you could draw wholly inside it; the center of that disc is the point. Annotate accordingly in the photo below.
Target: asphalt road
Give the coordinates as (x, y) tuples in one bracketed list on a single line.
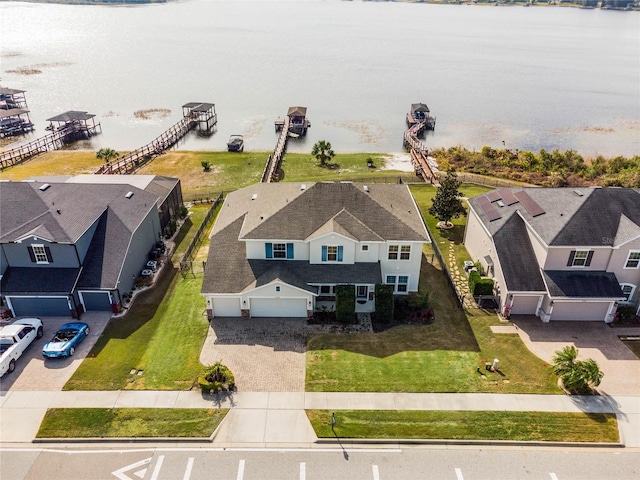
[(406, 463)]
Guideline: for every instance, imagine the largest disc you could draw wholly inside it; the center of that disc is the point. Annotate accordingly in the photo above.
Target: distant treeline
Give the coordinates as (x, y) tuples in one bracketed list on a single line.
[(614, 4), (552, 169)]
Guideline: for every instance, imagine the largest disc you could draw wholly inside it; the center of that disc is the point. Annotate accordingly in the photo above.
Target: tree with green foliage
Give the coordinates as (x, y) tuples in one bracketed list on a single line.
[(578, 376), (323, 152), (447, 203), (106, 154)]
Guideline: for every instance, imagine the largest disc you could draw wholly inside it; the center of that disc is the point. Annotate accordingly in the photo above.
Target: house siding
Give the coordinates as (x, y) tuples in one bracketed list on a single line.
[(63, 255), (142, 241), (348, 252), (83, 243), (3, 261), (409, 267), (557, 258)]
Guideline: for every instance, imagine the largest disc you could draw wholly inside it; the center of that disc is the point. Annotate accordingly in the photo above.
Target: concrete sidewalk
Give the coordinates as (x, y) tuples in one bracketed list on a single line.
[(266, 418)]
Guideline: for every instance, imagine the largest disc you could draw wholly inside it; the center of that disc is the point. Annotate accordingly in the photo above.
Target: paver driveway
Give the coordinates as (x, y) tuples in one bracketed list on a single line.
[(594, 340), (34, 372), (264, 354)]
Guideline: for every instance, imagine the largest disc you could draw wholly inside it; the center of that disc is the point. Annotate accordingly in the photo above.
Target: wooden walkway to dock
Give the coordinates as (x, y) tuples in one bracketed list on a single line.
[(52, 141), (270, 173), (420, 153)]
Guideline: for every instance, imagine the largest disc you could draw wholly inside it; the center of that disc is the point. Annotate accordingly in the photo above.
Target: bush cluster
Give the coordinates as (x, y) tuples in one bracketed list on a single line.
[(478, 285), (217, 377)]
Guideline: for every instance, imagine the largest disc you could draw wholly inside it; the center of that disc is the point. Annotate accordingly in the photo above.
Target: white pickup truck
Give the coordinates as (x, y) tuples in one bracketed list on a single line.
[(14, 340)]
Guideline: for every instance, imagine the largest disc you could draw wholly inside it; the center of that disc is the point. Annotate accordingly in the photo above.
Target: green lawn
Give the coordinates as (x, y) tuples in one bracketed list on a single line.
[(467, 425), (129, 422), (161, 336), (441, 357)]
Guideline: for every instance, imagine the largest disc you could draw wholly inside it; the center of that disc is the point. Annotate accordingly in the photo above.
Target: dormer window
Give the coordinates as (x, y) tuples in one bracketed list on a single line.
[(279, 250), (40, 254), (580, 258), (332, 253)]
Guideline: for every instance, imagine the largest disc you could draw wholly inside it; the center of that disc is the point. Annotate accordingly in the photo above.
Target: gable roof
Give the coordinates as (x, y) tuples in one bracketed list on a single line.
[(64, 212), (586, 284), (584, 217), (282, 211)]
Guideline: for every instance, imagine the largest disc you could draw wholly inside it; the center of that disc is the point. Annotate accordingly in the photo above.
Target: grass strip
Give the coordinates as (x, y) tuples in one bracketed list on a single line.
[(467, 425), (130, 422)]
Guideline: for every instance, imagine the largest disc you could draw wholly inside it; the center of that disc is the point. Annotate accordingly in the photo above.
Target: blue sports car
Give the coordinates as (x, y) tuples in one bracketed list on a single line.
[(66, 339)]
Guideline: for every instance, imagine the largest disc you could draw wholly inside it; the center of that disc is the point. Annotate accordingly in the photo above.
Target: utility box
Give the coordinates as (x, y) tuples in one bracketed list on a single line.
[(495, 364)]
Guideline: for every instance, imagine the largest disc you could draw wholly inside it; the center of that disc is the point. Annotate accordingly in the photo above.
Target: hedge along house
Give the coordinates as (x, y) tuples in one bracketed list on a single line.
[(67, 248), (559, 253), (281, 249)]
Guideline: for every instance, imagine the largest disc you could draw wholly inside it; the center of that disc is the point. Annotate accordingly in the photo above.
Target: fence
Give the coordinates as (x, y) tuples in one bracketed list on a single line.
[(491, 181), (187, 258)]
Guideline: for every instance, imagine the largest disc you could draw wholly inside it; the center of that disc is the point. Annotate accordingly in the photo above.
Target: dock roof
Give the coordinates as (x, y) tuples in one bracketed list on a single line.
[(10, 91), (198, 106), (301, 111), (12, 112), (70, 116)]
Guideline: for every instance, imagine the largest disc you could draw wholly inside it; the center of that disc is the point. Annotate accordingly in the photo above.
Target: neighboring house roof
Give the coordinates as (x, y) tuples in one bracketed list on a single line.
[(63, 212), (570, 217), (587, 284), (517, 258), (278, 211), (23, 280)]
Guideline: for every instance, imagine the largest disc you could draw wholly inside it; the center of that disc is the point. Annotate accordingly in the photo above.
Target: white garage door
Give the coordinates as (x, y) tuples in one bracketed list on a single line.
[(588, 311), (226, 307), (524, 305), (279, 307)]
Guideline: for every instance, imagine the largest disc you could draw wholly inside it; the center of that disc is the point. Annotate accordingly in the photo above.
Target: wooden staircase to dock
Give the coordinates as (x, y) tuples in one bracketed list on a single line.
[(270, 173)]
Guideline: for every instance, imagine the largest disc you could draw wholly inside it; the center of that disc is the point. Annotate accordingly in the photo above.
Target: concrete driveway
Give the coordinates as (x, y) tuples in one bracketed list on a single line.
[(264, 354), (594, 340), (34, 372)]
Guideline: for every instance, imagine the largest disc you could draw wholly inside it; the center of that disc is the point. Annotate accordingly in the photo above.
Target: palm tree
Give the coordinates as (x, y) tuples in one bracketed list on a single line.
[(323, 152), (106, 154), (578, 376)]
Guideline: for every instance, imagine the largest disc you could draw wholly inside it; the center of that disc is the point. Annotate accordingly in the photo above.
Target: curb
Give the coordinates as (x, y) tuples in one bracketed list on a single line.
[(502, 443)]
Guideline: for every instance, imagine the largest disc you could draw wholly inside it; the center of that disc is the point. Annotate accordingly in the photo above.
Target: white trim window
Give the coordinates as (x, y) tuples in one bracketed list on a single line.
[(580, 258), (40, 254), (279, 250), (365, 247), (362, 291), (400, 283), (627, 291), (399, 252), (633, 259)]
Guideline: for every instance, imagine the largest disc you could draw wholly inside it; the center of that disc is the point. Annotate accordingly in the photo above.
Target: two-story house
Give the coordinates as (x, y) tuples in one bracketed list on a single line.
[(559, 253), (67, 248), (280, 249)]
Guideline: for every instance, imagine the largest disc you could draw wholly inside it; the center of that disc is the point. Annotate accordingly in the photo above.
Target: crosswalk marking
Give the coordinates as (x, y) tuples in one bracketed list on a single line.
[(459, 474), (240, 470), (187, 472), (376, 474), (156, 470), (553, 476), (303, 471)]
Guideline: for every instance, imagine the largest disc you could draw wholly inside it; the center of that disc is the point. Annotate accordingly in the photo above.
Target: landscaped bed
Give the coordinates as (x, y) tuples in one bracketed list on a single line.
[(130, 422), (466, 425)]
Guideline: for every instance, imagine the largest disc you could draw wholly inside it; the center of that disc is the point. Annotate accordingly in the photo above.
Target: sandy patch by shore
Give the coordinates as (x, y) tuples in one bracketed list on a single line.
[(398, 161)]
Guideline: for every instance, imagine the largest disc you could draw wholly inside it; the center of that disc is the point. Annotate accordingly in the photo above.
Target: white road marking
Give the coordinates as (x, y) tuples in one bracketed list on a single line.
[(376, 474), (120, 473), (459, 474), (156, 470), (240, 470), (187, 472), (204, 449), (303, 471), (553, 476)]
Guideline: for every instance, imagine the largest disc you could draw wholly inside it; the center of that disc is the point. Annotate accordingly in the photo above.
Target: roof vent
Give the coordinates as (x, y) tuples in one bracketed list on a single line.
[(303, 186), (254, 196), (44, 186), (500, 203), (578, 193), (366, 188), (129, 195)]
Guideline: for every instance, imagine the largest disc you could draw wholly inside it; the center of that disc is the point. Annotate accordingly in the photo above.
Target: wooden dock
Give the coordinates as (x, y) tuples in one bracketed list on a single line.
[(201, 115), (418, 150), (270, 173), (57, 139)]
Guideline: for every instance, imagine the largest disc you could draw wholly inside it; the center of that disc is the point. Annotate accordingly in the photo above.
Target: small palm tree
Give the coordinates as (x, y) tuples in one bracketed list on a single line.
[(106, 154), (323, 152), (578, 376)]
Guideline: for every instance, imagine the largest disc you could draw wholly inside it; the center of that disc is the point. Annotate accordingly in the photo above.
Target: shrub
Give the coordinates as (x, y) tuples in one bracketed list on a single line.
[(478, 285), (182, 211), (345, 303), (578, 376), (384, 303), (480, 268), (217, 377)]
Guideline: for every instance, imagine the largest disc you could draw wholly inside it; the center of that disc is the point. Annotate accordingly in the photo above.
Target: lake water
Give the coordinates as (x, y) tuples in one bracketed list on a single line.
[(543, 77)]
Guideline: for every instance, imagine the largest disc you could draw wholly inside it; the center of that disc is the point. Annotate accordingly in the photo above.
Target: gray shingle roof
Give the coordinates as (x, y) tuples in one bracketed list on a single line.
[(587, 284), (517, 258), (22, 280), (596, 217)]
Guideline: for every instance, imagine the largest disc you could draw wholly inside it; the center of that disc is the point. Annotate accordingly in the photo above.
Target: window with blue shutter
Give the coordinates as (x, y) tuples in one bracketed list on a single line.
[(340, 253), (268, 247), (289, 250), (324, 253)]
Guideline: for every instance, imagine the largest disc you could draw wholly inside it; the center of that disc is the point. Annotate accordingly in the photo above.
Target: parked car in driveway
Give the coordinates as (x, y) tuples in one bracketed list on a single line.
[(66, 340), (14, 340)]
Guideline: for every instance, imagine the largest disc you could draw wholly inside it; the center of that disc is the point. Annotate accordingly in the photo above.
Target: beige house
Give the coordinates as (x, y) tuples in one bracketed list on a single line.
[(559, 253), (280, 249)]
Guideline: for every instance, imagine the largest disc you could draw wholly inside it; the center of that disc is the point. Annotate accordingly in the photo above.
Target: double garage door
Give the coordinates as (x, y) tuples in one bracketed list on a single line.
[(262, 307), (587, 311), (39, 306)]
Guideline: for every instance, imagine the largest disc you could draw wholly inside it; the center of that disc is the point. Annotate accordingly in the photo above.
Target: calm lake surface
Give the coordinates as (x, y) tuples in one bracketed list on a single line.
[(531, 77)]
